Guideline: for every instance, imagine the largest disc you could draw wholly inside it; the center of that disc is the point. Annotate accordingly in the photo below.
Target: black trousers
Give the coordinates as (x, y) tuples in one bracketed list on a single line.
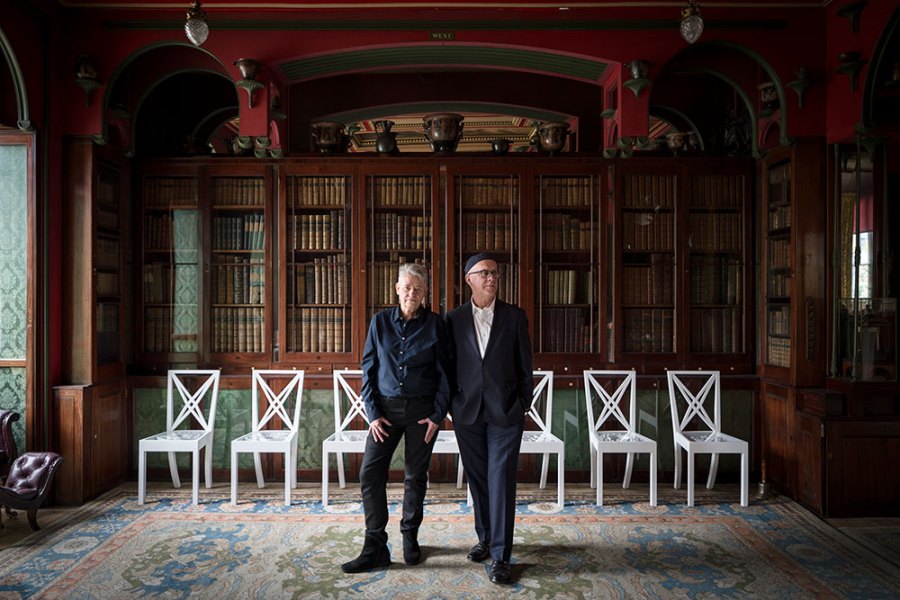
[(404, 414)]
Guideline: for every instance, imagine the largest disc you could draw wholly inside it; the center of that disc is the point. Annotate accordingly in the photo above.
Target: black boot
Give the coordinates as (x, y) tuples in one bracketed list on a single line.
[(412, 554), (374, 555)]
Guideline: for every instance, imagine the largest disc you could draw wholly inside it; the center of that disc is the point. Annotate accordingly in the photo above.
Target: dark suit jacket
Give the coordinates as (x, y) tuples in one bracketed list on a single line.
[(502, 381)]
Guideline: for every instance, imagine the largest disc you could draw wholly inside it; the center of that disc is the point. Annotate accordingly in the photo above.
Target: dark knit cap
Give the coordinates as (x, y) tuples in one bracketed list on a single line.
[(474, 260)]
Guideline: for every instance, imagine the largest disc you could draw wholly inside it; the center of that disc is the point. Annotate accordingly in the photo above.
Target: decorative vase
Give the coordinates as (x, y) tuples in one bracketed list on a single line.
[(676, 141), (329, 137), (443, 131), (386, 141), (500, 146), (248, 67), (551, 137)]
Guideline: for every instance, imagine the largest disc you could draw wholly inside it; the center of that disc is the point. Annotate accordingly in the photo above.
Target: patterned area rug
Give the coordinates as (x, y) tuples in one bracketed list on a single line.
[(114, 548)]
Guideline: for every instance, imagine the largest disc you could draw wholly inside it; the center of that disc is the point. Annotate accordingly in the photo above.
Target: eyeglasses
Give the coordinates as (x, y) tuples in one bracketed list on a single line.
[(485, 274)]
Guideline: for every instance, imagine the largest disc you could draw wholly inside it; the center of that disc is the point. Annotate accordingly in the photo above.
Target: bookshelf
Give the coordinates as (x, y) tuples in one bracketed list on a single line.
[(646, 226), (399, 229), (238, 266), (171, 283), (566, 260), (717, 229), (777, 225), (108, 271), (318, 222), (487, 218)]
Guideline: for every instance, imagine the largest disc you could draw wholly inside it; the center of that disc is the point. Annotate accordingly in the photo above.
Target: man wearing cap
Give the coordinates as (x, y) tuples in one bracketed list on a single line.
[(492, 351)]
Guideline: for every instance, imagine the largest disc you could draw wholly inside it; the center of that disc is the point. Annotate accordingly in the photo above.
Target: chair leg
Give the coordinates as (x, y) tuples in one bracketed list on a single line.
[(677, 466), (294, 452), (287, 477), (599, 477), (593, 453), (745, 478), (713, 468), (324, 479), (690, 478), (544, 469), (207, 463), (459, 473), (142, 475), (340, 465), (32, 519), (561, 478), (234, 476), (260, 483), (195, 477), (653, 477), (173, 469), (629, 464)]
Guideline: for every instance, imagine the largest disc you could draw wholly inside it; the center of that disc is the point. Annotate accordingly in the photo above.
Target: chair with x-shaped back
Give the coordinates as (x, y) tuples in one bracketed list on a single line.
[(179, 436), (276, 431), (346, 436), (607, 439), (691, 390), (542, 439)]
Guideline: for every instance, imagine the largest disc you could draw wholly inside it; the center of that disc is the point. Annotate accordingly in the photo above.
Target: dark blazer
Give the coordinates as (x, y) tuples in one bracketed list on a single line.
[(502, 381)]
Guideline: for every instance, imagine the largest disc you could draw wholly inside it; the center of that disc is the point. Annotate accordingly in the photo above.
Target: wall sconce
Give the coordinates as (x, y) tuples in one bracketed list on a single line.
[(86, 76), (801, 84), (248, 67), (691, 23), (196, 28), (638, 81)]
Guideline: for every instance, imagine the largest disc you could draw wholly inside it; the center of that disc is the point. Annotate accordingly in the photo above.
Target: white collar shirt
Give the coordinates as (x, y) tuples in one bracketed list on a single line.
[(483, 319)]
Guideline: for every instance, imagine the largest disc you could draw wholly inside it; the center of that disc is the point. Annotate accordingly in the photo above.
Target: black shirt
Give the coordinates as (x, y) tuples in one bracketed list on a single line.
[(406, 359)]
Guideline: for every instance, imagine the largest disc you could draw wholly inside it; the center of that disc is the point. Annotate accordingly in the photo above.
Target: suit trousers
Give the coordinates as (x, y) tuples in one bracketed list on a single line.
[(404, 414), (490, 455)]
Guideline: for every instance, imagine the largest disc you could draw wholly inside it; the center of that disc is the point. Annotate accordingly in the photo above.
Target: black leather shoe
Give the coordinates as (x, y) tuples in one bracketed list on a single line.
[(412, 554), (370, 558), (479, 552), (500, 572)]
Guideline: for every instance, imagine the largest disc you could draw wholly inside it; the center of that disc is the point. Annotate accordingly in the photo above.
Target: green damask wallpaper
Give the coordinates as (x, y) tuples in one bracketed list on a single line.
[(13, 247), (12, 397)]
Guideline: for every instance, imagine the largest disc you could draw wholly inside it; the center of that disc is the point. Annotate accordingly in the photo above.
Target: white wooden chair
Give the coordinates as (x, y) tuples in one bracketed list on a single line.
[(542, 440), (708, 440), (262, 438), (608, 408), (173, 439), (344, 439)]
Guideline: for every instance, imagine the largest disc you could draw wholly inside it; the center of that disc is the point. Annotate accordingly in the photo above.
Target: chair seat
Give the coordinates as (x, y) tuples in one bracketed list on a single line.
[(346, 439), (539, 437), (620, 437), (446, 443), (180, 435), (266, 436), (711, 437)]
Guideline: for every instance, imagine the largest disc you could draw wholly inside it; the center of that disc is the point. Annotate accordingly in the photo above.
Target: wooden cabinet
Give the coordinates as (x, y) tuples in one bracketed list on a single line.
[(90, 432)]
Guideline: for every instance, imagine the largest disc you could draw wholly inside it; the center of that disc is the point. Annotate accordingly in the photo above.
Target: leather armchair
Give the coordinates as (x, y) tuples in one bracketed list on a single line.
[(28, 483), (8, 450)]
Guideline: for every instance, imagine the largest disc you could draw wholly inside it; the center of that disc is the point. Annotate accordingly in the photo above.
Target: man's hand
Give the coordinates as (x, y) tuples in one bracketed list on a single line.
[(377, 429), (432, 429)]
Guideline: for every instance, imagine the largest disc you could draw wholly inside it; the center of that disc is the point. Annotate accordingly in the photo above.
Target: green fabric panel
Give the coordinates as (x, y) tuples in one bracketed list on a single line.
[(13, 250)]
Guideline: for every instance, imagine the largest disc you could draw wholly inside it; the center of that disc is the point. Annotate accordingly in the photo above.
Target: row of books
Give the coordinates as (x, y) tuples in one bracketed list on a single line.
[(564, 232), (170, 329), (648, 231), (172, 231), (778, 352), (779, 217), (780, 185), (107, 217), (317, 231), (779, 285), (108, 254), (239, 191), (489, 231), (567, 286), (238, 329), (650, 191), (488, 191), (779, 320), (402, 232), (171, 191), (318, 330), (779, 254), (717, 191), (715, 280), (241, 232), (717, 232), (107, 283), (108, 191), (383, 276), (565, 330), (239, 280), (165, 283), (323, 281), (304, 191), (648, 330), (717, 330), (399, 191), (568, 192), (649, 284), (107, 318)]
